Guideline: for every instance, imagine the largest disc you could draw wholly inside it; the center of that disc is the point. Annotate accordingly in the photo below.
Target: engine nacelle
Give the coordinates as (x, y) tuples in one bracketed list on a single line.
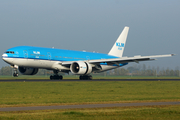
[(81, 68), (28, 71)]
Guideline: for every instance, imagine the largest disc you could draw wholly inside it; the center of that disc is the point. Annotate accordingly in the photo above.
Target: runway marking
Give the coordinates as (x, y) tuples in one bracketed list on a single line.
[(87, 106)]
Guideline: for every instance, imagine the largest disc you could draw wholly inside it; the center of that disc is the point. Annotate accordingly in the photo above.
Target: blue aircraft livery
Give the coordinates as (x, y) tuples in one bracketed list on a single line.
[(28, 60), (119, 45)]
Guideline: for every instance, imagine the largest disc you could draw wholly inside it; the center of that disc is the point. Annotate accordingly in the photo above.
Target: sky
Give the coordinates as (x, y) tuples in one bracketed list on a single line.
[(93, 25)]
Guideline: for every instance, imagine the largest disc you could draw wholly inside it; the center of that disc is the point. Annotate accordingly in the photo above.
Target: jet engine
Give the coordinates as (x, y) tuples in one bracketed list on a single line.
[(28, 71), (81, 68)]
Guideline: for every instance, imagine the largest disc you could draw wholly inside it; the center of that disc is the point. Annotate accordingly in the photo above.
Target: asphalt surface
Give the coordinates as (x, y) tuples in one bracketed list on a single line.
[(87, 106), (69, 80)]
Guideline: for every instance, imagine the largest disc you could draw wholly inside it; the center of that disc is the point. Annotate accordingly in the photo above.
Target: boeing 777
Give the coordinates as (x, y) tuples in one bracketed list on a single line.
[(29, 59)]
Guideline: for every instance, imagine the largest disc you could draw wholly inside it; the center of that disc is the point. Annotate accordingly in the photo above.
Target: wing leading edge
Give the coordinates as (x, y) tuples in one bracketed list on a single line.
[(117, 61)]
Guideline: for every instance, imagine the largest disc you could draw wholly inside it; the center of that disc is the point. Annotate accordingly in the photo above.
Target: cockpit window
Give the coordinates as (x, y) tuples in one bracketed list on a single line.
[(12, 52)]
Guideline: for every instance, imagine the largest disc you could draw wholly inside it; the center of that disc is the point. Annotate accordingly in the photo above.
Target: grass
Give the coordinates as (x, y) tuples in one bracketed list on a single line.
[(126, 113), (57, 93), (89, 92)]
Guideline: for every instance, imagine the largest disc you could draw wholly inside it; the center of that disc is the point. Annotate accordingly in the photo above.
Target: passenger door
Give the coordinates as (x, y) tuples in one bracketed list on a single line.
[(49, 55), (25, 54)]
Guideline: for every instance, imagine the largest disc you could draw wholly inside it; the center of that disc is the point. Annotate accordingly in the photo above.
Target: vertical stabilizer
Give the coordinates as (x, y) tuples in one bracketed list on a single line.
[(118, 47)]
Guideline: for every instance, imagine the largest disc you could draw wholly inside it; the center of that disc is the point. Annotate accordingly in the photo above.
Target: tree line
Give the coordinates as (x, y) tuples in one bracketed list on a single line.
[(8, 71), (136, 70), (143, 70)]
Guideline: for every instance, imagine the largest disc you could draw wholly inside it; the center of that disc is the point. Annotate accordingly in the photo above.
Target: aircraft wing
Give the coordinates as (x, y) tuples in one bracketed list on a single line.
[(136, 59), (117, 61)]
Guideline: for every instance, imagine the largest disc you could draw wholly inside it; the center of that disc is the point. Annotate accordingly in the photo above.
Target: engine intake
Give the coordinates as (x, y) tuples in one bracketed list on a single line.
[(81, 68), (28, 71)]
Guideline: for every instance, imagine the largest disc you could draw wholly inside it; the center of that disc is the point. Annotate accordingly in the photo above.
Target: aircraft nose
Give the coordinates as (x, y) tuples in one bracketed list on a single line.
[(4, 56)]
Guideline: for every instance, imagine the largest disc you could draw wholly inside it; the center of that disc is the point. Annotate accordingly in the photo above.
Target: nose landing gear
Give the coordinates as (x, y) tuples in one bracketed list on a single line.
[(15, 74)]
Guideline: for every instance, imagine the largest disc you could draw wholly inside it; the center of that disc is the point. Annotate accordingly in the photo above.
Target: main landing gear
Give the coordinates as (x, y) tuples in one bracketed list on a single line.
[(56, 76), (85, 77)]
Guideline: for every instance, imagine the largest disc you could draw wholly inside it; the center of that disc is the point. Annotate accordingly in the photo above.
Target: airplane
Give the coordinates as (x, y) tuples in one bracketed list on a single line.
[(28, 59)]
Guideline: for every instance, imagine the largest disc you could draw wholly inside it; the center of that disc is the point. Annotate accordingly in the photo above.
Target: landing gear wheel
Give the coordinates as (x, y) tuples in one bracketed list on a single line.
[(51, 77), (15, 74), (61, 77), (56, 77), (90, 77), (85, 77)]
